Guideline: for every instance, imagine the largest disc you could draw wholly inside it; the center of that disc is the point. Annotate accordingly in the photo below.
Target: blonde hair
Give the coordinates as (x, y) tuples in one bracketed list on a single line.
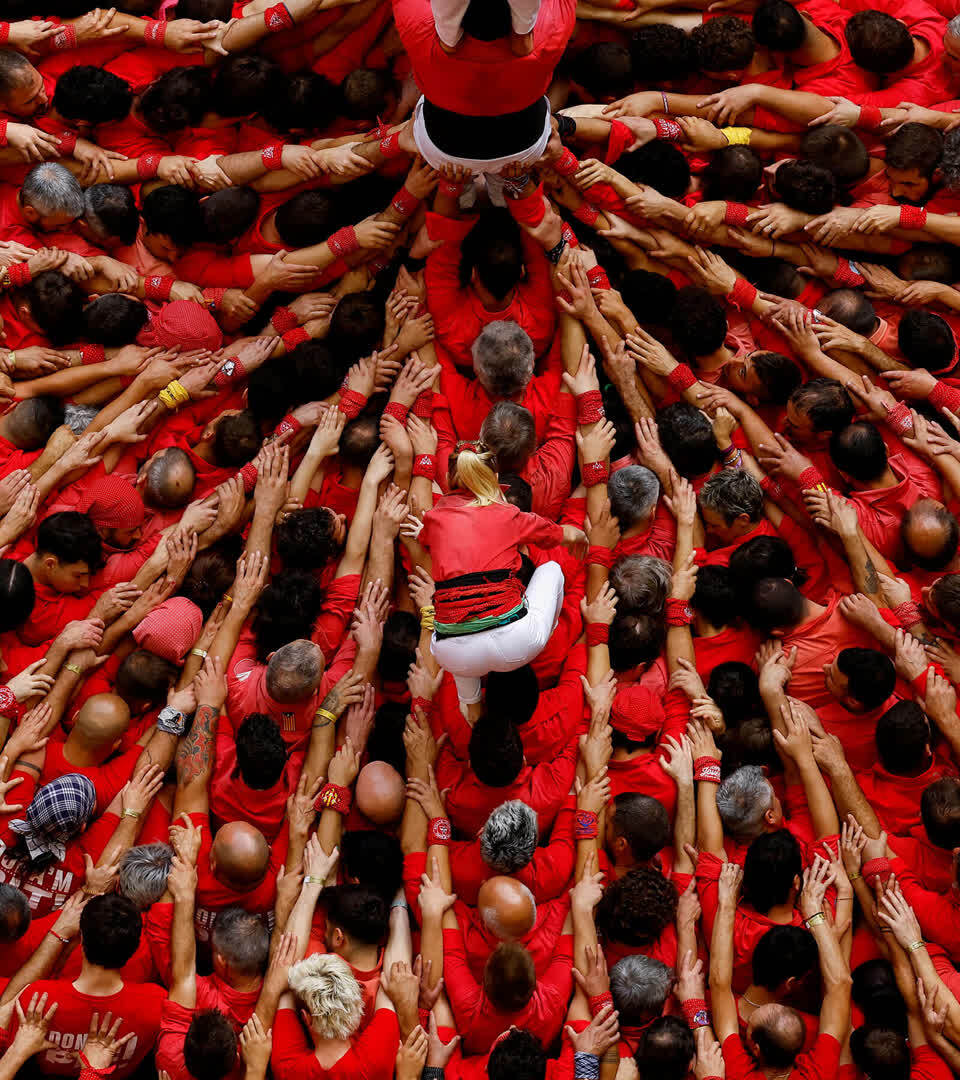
[(476, 474), (328, 990)]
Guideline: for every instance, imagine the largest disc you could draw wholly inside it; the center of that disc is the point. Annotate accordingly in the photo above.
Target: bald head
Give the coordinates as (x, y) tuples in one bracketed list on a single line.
[(507, 908), (239, 856), (777, 1034), (380, 793), (169, 479), (101, 721), (930, 534)]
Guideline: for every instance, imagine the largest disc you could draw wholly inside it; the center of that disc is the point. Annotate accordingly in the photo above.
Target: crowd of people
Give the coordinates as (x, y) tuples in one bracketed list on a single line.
[(479, 542)]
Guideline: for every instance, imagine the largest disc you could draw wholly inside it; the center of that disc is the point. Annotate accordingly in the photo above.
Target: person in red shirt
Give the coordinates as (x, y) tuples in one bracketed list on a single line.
[(775, 1033), (110, 929)]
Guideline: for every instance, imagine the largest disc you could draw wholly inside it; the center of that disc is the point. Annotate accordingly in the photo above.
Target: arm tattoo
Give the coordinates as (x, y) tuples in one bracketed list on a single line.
[(195, 752), (871, 581)]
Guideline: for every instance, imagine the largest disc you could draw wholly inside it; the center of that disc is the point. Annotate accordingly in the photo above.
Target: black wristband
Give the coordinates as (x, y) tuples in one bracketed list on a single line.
[(432, 1072), (553, 255)]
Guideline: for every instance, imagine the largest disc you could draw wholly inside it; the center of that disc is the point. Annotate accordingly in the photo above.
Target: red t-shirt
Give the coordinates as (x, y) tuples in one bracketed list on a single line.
[(821, 1063), (372, 1054), (138, 1004), (107, 778)]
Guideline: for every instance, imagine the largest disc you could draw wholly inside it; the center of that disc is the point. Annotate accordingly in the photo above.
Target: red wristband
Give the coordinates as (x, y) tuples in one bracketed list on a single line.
[(770, 487), (425, 705), (333, 797), (567, 234), (92, 354), (283, 319), (529, 210), (597, 277), (439, 831), (707, 768), (390, 146), (229, 372), (907, 614), (595, 472), (404, 202), (847, 274), (870, 117), (292, 338), (742, 295), (65, 39), (344, 241), (669, 130), (288, 423), (944, 397), (874, 868), (681, 378), (899, 418), (272, 156), (736, 214), (567, 164), (600, 1001), (4, 32), (3, 132), (248, 474), (587, 213), (9, 706), (590, 407), (19, 274), (585, 825), (68, 142), (277, 18), (351, 403), (423, 406), (157, 287), (147, 165), (598, 555), (598, 633), (425, 465), (678, 612), (154, 32), (811, 477), (913, 217), (214, 298), (695, 1012), (397, 411)]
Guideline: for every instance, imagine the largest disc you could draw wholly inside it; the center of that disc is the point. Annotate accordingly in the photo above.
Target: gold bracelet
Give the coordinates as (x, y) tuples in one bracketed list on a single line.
[(815, 920), (916, 945), (228, 598), (202, 653), (853, 877), (327, 715), (75, 668), (131, 813), (12, 359), (312, 879)]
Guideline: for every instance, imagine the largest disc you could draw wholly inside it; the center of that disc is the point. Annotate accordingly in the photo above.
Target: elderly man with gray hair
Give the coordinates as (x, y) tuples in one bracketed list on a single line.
[(49, 199)]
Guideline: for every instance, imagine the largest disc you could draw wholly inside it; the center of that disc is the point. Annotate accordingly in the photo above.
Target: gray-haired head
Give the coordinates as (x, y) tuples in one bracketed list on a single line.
[(242, 940), (169, 479), (641, 583), (732, 493), (78, 417), (742, 801), (509, 837), (950, 162), (640, 986), (953, 27), (633, 492), (52, 191), (503, 358), (143, 872), (294, 671)]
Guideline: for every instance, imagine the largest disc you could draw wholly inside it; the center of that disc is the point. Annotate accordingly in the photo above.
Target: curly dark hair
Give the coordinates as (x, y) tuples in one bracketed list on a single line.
[(636, 909)]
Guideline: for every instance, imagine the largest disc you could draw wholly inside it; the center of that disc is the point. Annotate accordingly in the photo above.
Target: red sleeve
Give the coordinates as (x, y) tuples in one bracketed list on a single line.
[(215, 271), (820, 1063), (927, 1064), (158, 926), (558, 717), (335, 613), (739, 1064), (708, 876), (549, 870), (551, 468), (95, 838), (443, 264), (677, 709), (462, 988), (292, 1047), (551, 781), (376, 1046), (534, 529), (935, 913)]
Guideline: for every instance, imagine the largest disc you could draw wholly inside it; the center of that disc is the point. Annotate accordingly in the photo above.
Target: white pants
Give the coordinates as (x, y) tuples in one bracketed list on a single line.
[(448, 15), (504, 648), (436, 158)]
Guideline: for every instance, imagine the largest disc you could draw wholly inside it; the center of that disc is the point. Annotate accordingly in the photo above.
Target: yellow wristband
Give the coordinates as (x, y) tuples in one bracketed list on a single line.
[(327, 715), (916, 945), (167, 400), (76, 669), (179, 391), (202, 653), (737, 136)]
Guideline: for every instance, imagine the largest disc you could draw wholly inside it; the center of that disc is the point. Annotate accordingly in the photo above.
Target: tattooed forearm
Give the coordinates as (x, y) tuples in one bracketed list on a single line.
[(195, 752), (870, 580)]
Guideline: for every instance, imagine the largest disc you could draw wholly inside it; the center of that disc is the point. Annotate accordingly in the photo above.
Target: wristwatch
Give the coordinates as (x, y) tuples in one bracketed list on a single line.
[(171, 721)]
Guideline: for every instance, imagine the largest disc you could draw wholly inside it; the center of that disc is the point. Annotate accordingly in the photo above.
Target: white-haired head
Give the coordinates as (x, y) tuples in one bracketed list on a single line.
[(328, 991)]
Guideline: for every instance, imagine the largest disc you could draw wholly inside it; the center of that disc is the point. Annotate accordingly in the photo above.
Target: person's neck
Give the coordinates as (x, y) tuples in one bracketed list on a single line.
[(638, 528), (351, 476), (362, 957), (489, 301), (33, 564), (204, 450), (714, 361), (921, 50), (328, 1051), (782, 914), (97, 981), (244, 984), (703, 628), (886, 479), (760, 63), (817, 48), (753, 997), (268, 229), (76, 753), (810, 611)]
